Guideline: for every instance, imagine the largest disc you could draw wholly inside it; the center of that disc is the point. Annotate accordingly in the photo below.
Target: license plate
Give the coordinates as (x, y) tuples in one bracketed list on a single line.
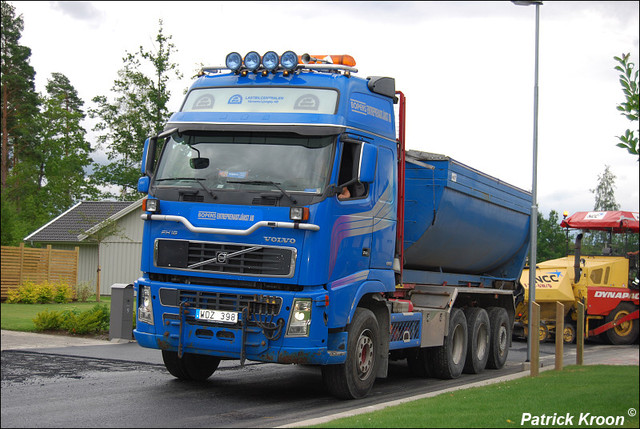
[(217, 316)]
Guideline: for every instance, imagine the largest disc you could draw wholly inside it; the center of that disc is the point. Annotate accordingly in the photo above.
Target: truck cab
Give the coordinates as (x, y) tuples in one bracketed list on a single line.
[(243, 196)]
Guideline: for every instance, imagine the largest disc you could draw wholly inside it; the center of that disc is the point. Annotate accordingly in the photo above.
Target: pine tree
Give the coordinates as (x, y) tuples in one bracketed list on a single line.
[(605, 200), (63, 152), (138, 111), (605, 191), (19, 98), (19, 111)]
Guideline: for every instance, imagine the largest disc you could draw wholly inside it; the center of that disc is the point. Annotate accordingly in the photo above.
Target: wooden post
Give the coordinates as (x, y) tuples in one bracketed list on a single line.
[(21, 263), (48, 263), (559, 335), (580, 335), (98, 283), (535, 339), (98, 276), (77, 250)]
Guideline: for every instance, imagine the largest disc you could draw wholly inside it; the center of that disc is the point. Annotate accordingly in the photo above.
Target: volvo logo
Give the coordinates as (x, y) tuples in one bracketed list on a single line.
[(222, 257), (280, 240)]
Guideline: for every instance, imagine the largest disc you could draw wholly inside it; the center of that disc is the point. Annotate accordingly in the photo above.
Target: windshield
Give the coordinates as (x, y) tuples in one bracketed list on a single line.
[(217, 162)]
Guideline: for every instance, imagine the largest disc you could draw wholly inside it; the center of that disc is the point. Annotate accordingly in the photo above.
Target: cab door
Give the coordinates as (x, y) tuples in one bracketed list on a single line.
[(384, 211), (351, 234)]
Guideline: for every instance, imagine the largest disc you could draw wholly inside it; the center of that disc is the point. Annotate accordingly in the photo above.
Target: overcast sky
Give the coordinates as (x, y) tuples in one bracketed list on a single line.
[(466, 68)]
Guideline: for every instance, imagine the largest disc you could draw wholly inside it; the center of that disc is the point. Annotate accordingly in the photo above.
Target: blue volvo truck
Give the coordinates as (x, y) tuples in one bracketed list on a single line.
[(285, 222)]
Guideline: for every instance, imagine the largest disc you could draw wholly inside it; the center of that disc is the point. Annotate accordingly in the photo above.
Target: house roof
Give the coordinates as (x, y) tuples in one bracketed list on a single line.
[(81, 220)]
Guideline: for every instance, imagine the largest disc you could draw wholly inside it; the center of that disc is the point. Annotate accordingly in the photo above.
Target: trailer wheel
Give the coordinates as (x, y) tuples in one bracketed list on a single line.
[(500, 334), (478, 340), (191, 366), (569, 333), (354, 378), (447, 361), (543, 333), (624, 333)]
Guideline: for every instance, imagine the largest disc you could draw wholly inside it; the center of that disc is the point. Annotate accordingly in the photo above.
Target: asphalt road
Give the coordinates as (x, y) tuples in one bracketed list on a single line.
[(123, 385)]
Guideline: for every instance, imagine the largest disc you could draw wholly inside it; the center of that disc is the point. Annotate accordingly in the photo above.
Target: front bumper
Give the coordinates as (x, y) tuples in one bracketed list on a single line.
[(259, 333), (231, 347)]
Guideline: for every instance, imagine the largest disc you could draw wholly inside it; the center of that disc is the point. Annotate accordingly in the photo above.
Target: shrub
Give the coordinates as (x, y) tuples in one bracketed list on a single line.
[(48, 321), (93, 321), (70, 320), (83, 292), (25, 294), (42, 293), (62, 293)]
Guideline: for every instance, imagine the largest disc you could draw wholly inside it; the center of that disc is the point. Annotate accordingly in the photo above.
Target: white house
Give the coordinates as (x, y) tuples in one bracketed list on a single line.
[(80, 225)]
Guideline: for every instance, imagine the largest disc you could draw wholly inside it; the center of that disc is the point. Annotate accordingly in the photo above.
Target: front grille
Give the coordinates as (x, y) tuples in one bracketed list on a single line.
[(244, 259), (260, 308), (257, 304)]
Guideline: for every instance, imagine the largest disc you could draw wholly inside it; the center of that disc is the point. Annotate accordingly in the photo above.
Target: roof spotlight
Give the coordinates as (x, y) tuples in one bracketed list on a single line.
[(270, 61), (252, 61), (233, 61), (289, 60)]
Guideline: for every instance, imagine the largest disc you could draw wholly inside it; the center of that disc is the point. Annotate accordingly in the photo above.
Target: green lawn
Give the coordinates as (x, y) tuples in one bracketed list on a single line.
[(19, 317), (586, 392)]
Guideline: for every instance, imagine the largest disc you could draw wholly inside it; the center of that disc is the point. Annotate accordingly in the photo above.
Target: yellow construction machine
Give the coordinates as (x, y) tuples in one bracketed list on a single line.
[(607, 285)]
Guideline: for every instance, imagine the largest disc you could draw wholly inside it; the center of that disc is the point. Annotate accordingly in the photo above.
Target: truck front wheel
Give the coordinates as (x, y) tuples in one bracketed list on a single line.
[(190, 366), (624, 333), (354, 378)]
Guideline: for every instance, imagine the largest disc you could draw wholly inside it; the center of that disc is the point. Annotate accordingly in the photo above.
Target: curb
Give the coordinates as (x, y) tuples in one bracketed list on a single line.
[(546, 364), (371, 408)]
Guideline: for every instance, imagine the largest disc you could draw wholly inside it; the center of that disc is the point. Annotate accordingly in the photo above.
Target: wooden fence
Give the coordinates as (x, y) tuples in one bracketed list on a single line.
[(21, 264)]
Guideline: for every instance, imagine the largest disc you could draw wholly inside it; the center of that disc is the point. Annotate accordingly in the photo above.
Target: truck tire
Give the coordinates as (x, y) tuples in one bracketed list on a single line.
[(569, 333), (478, 334), (543, 333), (500, 334), (447, 361), (624, 333), (354, 378), (191, 366)]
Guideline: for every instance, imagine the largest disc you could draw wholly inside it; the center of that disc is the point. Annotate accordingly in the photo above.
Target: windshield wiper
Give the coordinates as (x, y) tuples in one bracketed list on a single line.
[(265, 182), (196, 179)]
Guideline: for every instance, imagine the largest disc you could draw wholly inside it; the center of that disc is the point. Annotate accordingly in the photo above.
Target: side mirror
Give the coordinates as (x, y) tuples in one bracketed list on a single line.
[(148, 154), (368, 158), (143, 184)]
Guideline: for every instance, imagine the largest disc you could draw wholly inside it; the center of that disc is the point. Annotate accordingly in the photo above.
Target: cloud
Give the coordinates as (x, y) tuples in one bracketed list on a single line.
[(82, 11)]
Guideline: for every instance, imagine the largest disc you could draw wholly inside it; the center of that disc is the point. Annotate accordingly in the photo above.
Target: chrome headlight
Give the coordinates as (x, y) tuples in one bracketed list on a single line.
[(300, 318), (145, 307)]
